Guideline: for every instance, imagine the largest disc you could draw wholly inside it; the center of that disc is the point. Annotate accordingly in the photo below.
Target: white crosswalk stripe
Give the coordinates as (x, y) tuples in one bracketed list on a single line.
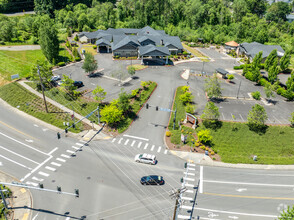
[(187, 198), (139, 145), (31, 183), (189, 174), (56, 164), (165, 152), (133, 143), (127, 141), (59, 159), (79, 144), (44, 174), (159, 149), (152, 148), (113, 140), (74, 147), (37, 179), (119, 141), (64, 155), (50, 168), (146, 145), (70, 151)]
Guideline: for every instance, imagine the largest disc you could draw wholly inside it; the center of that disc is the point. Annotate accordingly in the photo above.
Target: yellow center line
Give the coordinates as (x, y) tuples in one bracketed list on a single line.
[(248, 197), (17, 130)]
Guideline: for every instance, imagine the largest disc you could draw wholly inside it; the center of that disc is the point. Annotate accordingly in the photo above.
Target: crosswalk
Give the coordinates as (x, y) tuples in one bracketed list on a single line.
[(139, 144)]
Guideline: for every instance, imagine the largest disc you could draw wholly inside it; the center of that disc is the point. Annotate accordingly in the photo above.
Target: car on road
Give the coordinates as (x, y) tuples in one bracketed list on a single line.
[(55, 78), (152, 180), (78, 84), (145, 158)]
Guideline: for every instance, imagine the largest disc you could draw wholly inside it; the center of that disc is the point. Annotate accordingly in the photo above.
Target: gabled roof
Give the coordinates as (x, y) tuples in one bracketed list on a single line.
[(103, 42), (148, 31), (251, 49), (144, 38), (232, 44), (151, 50), (125, 41)]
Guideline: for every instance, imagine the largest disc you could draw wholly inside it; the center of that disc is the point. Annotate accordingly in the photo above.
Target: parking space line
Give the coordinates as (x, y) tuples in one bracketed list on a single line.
[(189, 185), (50, 168), (16, 162), (139, 145), (152, 147), (66, 156), (56, 164), (70, 151), (113, 140), (133, 143), (74, 147), (241, 117), (44, 174), (159, 149), (184, 216), (37, 179), (120, 140), (223, 116), (270, 121), (189, 191), (127, 141), (79, 144), (19, 155), (59, 159), (186, 207), (146, 145), (165, 152)]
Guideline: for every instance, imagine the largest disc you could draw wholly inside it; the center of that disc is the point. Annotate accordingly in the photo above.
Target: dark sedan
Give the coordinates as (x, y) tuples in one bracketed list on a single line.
[(78, 84), (152, 180)]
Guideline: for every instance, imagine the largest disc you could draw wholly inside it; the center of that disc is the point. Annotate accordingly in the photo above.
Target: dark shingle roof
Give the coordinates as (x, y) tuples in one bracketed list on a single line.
[(222, 71), (103, 42), (151, 50), (251, 49), (133, 40)]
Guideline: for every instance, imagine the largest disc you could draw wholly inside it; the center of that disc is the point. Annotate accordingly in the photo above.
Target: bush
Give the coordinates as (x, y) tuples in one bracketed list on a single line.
[(261, 66), (33, 40), (186, 97), (256, 95), (94, 47), (190, 109), (280, 91), (76, 38), (231, 77), (202, 147), (61, 64), (2, 42), (77, 59), (185, 88), (204, 136), (185, 53), (263, 82), (239, 67), (168, 133)]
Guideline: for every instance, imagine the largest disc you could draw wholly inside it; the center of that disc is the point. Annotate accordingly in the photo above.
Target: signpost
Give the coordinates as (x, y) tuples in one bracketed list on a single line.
[(192, 119)]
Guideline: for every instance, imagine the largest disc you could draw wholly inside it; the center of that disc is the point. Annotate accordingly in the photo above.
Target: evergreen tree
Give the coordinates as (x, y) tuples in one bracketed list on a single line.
[(210, 112), (49, 41), (273, 72), (257, 60), (213, 87), (90, 64), (270, 59), (285, 61), (290, 82), (257, 118)]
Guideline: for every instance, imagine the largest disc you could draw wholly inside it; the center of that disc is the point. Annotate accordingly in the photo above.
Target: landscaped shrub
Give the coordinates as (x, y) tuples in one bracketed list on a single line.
[(239, 67), (186, 97), (202, 147), (94, 47), (263, 82), (77, 59), (61, 64), (190, 109), (185, 53), (280, 91), (204, 136), (256, 95), (231, 77), (33, 40), (168, 133), (185, 88)]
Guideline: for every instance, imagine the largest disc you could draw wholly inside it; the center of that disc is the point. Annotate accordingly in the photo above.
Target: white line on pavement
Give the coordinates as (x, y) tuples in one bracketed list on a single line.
[(74, 147), (165, 152), (187, 198), (184, 216), (83, 141), (189, 174), (159, 149), (133, 143), (146, 145), (37, 179), (56, 164), (79, 144), (23, 144), (201, 180), (188, 184), (31, 183), (50, 168), (143, 139), (127, 141), (66, 156), (139, 145), (19, 155), (236, 213), (70, 151), (189, 168), (120, 140), (252, 184), (241, 117), (16, 162), (269, 120), (152, 147), (277, 120), (113, 140), (189, 191), (186, 207), (223, 116), (59, 159), (51, 152), (189, 179), (44, 174), (191, 165)]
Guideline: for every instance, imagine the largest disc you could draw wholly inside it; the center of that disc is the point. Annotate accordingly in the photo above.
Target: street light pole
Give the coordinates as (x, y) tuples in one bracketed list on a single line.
[(42, 89)]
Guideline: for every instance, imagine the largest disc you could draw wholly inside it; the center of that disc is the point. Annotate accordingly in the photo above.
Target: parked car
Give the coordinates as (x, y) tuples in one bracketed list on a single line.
[(55, 78), (145, 158), (78, 84), (152, 180)]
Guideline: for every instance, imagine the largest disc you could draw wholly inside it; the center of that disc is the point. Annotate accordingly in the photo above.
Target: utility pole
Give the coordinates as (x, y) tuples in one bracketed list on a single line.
[(42, 89), (175, 119), (98, 114)]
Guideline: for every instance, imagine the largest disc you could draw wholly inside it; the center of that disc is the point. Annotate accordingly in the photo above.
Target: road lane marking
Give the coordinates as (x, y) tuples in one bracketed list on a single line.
[(191, 165), (133, 143), (23, 144), (165, 152), (17, 130), (36, 125), (127, 141), (143, 139), (189, 179), (43, 174), (16, 162), (189, 185), (113, 140), (184, 216), (64, 155), (52, 150), (19, 155), (201, 180), (186, 207), (248, 197), (70, 151), (31, 183), (50, 168), (189, 174), (236, 213), (159, 149), (56, 164), (187, 198), (152, 147), (79, 144), (252, 184), (29, 140), (37, 179), (139, 145), (189, 191), (189, 168), (59, 159), (120, 140), (146, 145), (74, 147)]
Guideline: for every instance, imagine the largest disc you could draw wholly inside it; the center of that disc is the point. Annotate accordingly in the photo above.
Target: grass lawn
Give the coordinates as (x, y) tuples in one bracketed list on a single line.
[(19, 97), (64, 55), (196, 53), (179, 106), (276, 146), (89, 49), (138, 66)]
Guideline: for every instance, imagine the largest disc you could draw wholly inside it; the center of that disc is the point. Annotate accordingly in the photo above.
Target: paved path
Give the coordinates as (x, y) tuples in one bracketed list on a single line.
[(19, 13), (20, 47)]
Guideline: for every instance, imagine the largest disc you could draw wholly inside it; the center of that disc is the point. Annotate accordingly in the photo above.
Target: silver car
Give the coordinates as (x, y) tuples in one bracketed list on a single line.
[(145, 158)]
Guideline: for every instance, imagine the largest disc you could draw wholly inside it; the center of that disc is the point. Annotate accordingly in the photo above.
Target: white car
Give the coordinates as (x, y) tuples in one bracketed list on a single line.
[(55, 78), (145, 158)]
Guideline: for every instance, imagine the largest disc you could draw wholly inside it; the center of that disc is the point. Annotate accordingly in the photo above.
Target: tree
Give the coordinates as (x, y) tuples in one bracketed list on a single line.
[(90, 63), (257, 117), (269, 91), (68, 84), (273, 72), (82, 21), (285, 61), (213, 88), (45, 72), (131, 70), (99, 94), (111, 114), (204, 136), (290, 82), (286, 215), (49, 41), (256, 6), (186, 97), (277, 12), (292, 119), (210, 112), (6, 30), (123, 102), (257, 60), (270, 59)]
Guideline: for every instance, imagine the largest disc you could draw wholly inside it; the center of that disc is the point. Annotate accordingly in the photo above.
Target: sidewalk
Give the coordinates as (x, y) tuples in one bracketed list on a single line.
[(21, 198), (78, 116)]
